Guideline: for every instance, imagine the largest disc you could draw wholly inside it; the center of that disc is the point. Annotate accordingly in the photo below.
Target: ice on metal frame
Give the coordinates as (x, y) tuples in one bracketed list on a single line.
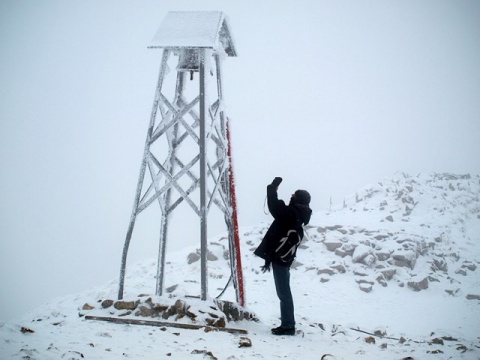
[(195, 29)]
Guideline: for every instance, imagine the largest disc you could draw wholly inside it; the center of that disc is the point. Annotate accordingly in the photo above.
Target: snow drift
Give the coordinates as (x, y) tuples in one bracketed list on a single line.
[(391, 273)]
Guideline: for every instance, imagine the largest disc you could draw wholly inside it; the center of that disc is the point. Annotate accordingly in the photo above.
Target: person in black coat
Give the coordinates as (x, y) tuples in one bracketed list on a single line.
[(279, 247)]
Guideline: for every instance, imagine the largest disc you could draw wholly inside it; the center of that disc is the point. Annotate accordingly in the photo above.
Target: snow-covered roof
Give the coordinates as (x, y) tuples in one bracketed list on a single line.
[(195, 29)]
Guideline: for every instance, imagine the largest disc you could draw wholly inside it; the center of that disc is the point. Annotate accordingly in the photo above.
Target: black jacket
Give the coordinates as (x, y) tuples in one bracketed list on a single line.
[(286, 217)]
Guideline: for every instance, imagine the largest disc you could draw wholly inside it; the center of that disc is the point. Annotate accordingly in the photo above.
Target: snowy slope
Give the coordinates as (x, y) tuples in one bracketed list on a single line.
[(392, 273)]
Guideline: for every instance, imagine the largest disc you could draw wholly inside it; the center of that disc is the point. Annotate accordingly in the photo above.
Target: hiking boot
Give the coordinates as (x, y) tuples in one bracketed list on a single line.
[(283, 330)]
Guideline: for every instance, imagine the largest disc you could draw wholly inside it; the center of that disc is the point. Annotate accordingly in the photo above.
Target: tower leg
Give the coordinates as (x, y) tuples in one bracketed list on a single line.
[(203, 183), (161, 255), (172, 136), (161, 75)]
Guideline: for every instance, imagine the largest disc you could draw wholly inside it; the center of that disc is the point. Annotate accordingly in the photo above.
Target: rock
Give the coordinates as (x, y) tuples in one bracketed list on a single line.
[(369, 260), (171, 289), (382, 256), (219, 323), (124, 313), (360, 253), (244, 342), (461, 272), (107, 303), (400, 263), (296, 264), (469, 266), (328, 228), (191, 315), (389, 273), (145, 311), (366, 287), (325, 271), (360, 272), (437, 341), (381, 280), (473, 297), (408, 242), (25, 330), (340, 252), (418, 286), (405, 258), (407, 211), (340, 268), (370, 340), (226, 255), (349, 248), (346, 249), (87, 306), (179, 307), (234, 311), (449, 338), (422, 247), (204, 353), (213, 315), (332, 245), (192, 257), (159, 307), (211, 256), (440, 265), (452, 292), (363, 281), (389, 218), (125, 305)]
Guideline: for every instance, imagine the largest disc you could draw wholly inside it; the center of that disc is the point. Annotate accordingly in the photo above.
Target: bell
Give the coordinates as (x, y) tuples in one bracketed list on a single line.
[(188, 60)]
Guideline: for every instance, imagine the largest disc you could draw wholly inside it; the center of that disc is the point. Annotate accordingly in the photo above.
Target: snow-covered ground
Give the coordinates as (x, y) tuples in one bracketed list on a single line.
[(390, 274)]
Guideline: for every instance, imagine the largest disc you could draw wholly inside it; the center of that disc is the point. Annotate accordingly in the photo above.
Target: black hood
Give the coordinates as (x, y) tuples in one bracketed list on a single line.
[(304, 212)]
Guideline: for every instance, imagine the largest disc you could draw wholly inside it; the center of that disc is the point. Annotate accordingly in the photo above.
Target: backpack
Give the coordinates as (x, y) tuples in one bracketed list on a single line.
[(286, 248)]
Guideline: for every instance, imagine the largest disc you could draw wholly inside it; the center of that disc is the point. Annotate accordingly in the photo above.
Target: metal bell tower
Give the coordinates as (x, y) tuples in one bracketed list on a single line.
[(187, 154)]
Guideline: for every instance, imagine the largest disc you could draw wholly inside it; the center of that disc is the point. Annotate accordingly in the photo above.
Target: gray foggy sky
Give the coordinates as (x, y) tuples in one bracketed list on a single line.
[(330, 95)]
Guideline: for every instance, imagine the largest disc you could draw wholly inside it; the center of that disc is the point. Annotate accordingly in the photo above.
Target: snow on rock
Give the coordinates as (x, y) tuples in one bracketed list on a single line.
[(433, 211), (364, 287), (361, 253)]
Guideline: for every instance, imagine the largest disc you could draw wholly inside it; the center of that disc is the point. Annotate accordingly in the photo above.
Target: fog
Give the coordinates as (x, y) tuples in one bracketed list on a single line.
[(332, 96)]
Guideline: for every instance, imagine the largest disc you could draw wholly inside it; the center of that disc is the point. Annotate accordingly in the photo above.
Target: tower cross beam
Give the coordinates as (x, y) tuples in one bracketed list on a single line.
[(172, 181), (180, 199), (177, 117)]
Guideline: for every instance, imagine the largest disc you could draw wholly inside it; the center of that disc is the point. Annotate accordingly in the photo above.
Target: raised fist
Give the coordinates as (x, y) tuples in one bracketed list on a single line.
[(276, 182)]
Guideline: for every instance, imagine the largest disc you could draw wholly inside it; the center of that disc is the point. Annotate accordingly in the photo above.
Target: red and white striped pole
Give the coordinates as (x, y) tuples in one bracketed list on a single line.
[(240, 292)]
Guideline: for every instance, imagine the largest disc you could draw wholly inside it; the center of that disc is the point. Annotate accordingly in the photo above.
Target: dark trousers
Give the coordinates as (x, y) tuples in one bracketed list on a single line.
[(281, 275)]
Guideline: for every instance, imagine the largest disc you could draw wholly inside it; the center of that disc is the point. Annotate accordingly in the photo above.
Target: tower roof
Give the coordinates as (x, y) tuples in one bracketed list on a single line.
[(195, 29)]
